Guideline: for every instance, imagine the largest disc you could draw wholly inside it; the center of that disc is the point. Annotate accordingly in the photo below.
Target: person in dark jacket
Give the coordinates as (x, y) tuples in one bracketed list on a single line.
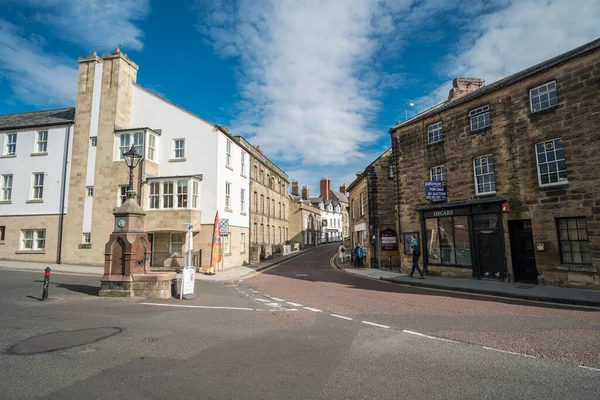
[(416, 253)]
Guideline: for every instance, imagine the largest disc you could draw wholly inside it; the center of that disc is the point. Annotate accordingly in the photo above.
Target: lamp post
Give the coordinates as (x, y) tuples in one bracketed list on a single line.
[(132, 158), (406, 110)]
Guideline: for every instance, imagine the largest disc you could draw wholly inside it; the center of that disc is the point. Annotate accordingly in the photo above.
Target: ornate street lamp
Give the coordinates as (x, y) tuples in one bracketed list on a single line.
[(132, 158)]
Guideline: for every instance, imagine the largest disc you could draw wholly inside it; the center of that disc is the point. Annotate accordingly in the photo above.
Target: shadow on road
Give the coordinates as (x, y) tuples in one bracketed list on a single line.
[(78, 288), (315, 267)]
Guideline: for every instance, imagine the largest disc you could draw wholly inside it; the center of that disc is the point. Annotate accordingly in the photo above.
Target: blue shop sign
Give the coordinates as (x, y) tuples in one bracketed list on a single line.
[(435, 190)]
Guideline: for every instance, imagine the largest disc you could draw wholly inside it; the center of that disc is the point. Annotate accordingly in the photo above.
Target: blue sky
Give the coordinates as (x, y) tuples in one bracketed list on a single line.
[(316, 83)]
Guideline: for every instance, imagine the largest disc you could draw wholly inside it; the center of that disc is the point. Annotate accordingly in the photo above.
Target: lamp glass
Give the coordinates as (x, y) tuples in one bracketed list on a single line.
[(132, 158)]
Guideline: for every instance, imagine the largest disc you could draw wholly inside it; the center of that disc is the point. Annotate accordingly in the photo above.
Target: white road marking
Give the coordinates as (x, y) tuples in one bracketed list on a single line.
[(205, 307), (374, 324), (590, 368), (312, 309), (273, 304), (263, 300), (294, 304), (277, 299), (299, 275), (291, 309), (429, 337), (341, 316), (508, 352)]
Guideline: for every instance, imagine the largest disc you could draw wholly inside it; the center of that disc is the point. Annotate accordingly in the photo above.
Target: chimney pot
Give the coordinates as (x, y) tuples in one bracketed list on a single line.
[(305, 193), (295, 191), (94, 53), (463, 86), (118, 50)]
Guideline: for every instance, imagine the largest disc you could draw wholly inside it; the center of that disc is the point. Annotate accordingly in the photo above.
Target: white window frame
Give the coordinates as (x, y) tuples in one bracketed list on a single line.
[(125, 141), (168, 197), (228, 195), (546, 93), (362, 204), (151, 147), (228, 153), (154, 195), (434, 174), (485, 163), (555, 162), (227, 244), (180, 242), (242, 242), (86, 238), (195, 194), (179, 148), (41, 142), (93, 141), (435, 133), (37, 186), (10, 142), (89, 191), (243, 200), (122, 194), (7, 183), (124, 144), (182, 193), (243, 163), (478, 118), (37, 238)]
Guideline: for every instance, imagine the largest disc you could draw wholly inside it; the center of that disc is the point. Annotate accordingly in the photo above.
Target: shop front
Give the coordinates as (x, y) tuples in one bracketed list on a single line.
[(464, 238)]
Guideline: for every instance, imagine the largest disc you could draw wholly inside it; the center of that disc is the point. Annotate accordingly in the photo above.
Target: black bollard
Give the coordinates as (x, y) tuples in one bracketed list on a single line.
[(46, 283)]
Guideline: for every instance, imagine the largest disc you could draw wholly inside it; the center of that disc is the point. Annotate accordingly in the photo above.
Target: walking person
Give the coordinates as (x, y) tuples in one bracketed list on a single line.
[(342, 251), (416, 253), (360, 254), (353, 256)]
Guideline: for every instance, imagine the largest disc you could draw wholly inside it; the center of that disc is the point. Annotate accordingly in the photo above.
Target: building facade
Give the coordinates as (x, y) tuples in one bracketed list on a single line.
[(191, 169), (305, 219), (373, 219), (268, 204), (516, 160)]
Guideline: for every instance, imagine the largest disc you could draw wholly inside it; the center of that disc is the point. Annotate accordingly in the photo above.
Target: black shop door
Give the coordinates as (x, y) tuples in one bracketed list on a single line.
[(523, 253), (490, 251)]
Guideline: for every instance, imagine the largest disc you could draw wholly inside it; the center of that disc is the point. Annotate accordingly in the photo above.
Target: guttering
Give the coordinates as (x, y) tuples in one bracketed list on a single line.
[(63, 190)]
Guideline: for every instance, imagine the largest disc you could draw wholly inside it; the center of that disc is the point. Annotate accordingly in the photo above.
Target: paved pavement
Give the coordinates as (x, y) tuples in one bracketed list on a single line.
[(525, 291), (229, 274)]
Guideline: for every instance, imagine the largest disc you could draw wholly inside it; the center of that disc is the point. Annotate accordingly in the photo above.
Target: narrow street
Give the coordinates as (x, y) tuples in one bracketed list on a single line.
[(302, 330)]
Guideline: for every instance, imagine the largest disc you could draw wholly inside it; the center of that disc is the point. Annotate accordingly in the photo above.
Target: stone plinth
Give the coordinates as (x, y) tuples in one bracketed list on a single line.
[(155, 285)]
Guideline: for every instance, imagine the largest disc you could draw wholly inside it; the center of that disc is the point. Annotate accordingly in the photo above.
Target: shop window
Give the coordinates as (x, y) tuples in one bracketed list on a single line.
[(448, 241), (573, 240)]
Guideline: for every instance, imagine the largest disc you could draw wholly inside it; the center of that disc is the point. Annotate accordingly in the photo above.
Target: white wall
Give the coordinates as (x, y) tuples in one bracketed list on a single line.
[(24, 165), (204, 153)]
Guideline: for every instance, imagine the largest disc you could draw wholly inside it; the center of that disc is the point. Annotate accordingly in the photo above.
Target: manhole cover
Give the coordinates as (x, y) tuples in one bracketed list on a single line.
[(62, 340)]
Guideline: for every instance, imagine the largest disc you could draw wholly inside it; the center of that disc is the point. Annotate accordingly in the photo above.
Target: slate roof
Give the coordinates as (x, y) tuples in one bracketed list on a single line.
[(543, 66), (339, 196), (33, 119)]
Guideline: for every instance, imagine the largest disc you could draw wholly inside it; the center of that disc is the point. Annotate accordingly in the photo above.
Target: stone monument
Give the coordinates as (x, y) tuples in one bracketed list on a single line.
[(127, 258)]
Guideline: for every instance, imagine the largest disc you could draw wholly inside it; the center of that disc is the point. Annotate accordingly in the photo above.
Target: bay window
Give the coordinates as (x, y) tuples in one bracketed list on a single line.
[(173, 194)]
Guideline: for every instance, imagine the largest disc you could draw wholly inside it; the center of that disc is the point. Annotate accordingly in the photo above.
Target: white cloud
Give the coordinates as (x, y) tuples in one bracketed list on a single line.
[(35, 78), (311, 75), (41, 78), (101, 23), (514, 36)]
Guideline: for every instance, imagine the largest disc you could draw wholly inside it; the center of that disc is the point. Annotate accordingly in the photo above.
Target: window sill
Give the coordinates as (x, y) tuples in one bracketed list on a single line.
[(6, 202), (229, 167), (482, 130), (2, 242), (85, 246), (30, 252), (544, 111), (243, 213), (178, 159), (33, 201), (552, 186), (45, 153), (434, 143), (9, 156), (244, 176), (227, 209), (576, 267), (484, 195), (226, 254)]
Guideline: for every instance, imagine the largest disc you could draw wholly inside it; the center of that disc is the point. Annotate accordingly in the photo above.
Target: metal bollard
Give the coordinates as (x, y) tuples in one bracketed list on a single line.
[(46, 283)]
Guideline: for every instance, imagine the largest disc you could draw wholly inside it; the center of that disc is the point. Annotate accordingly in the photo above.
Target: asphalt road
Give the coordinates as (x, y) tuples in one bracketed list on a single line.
[(274, 337)]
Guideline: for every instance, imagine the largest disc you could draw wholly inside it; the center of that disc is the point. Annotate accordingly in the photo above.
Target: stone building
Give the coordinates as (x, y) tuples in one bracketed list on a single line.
[(341, 197), (517, 159), (269, 208), (57, 202), (305, 218), (373, 212)]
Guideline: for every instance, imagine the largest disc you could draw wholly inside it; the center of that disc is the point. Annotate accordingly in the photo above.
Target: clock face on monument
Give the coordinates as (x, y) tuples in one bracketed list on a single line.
[(121, 223)]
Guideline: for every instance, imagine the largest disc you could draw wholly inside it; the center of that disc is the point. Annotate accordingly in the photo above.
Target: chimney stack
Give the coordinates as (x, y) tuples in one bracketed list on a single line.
[(343, 189), (295, 191), (305, 194), (325, 188), (463, 86)]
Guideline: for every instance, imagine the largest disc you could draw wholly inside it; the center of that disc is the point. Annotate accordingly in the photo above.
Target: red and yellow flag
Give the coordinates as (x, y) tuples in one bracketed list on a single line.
[(217, 253)]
